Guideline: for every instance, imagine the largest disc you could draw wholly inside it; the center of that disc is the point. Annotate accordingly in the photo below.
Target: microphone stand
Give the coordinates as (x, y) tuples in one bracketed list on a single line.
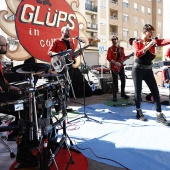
[(85, 115)]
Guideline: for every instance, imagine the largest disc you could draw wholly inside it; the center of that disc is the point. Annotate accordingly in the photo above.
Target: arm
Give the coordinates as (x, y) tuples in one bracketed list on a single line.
[(140, 49), (167, 55), (163, 42), (54, 48)]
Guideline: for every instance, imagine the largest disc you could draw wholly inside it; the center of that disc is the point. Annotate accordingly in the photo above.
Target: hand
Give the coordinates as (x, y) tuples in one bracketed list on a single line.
[(117, 64), (152, 42)]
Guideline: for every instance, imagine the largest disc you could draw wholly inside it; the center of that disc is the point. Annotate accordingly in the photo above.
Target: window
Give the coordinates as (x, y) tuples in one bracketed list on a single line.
[(135, 20), (125, 33), (142, 21), (88, 25), (114, 1), (125, 18), (149, 22), (159, 36), (136, 34), (159, 11), (159, 24), (143, 9), (126, 3), (103, 4), (135, 6), (149, 11)]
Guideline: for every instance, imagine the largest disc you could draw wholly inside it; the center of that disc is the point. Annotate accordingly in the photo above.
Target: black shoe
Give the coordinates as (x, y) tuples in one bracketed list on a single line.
[(125, 96), (140, 115), (162, 119), (115, 99)]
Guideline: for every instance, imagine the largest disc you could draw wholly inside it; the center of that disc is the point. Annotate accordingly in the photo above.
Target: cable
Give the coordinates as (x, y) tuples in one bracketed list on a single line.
[(103, 157)]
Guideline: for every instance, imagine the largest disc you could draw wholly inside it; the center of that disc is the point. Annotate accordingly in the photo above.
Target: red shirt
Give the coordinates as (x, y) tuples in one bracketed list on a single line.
[(138, 47), (112, 54), (58, 45)]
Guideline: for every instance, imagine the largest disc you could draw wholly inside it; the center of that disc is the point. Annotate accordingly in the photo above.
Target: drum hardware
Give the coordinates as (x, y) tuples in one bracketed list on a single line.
[(43, 129), (53, 159)]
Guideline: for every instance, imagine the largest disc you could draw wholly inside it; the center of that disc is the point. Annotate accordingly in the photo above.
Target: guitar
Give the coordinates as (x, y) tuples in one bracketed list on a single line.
[(59, 62), (116, 69)]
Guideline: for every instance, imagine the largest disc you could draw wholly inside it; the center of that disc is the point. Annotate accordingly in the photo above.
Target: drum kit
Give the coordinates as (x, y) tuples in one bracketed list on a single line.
[(38, 126)]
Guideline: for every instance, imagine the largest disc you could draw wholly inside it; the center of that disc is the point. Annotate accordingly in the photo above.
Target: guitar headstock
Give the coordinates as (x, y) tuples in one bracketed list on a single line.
[(93, 41)]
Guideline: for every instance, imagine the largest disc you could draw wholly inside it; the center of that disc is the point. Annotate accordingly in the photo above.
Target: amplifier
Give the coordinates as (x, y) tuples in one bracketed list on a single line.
[(105, 85)]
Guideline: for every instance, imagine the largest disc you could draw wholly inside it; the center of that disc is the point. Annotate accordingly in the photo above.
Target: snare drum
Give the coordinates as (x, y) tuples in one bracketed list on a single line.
[(12, 106)]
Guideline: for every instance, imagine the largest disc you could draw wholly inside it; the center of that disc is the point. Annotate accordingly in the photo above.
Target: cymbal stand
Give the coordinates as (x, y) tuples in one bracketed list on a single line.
[(47, 125), (32, 109), (85, 115)]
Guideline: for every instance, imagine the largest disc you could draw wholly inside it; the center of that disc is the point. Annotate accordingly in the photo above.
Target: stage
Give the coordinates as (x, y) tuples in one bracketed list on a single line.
[(120, 137)]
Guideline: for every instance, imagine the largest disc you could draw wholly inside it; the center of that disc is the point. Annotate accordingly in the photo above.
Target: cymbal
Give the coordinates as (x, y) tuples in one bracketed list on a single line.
[(62, 53), (31, 68)]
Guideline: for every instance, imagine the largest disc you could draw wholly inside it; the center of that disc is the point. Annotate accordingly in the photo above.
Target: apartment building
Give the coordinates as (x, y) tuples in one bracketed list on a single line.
[(123, 18)]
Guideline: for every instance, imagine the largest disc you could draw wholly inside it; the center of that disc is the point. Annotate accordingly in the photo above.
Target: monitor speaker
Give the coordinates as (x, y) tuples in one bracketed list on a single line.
[(105, 85)]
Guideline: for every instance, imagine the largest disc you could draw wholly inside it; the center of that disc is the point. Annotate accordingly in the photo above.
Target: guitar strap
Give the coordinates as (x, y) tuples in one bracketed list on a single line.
[(118, 55)]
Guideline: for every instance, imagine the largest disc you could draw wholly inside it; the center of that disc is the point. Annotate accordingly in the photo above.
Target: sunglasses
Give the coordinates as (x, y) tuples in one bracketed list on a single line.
[(4, 45), (114, 39)]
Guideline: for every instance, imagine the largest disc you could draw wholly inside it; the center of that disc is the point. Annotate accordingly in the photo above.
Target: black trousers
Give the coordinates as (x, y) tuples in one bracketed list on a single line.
[(147, 75), (121, 75)]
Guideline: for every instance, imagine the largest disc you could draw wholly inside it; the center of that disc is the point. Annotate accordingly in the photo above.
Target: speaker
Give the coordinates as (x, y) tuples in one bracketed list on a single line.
[(105, 85)]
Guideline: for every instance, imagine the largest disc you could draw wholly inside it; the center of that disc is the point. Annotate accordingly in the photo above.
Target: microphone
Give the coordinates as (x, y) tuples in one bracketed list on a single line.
[(79, 39)]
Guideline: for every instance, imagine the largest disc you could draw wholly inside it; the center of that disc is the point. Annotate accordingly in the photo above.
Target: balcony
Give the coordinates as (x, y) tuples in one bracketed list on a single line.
[(111, 34), (91, 26), (91, 7), (113, 4), (113, 20)]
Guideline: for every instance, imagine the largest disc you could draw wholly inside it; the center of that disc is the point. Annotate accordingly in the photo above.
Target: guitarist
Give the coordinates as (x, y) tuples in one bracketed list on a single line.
[(63, 44), (115, 55)]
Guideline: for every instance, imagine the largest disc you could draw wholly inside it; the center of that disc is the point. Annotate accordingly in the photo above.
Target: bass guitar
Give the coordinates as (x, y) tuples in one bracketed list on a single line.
[(59, 62), (116, 69)]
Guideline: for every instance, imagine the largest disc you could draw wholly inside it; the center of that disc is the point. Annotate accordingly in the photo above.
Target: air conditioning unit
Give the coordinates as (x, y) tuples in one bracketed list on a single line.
[(93, 17)]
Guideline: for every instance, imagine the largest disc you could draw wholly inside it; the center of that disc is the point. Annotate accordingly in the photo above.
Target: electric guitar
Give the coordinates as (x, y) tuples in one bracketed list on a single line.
[(115, 68), (59, 62)]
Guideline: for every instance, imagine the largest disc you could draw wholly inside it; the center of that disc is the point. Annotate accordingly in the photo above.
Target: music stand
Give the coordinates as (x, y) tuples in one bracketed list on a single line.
[(85, 114)]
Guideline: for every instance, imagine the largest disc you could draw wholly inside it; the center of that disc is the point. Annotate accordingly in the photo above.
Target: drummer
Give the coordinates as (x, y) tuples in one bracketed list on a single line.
[(5, 87), (7, 92)]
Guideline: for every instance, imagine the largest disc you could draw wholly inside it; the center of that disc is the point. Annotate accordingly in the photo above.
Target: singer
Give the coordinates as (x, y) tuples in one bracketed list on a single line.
[(144, 51)]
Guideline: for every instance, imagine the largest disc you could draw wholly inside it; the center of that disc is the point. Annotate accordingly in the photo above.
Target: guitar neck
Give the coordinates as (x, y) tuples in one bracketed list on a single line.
[(77, 52), (127, 57)]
